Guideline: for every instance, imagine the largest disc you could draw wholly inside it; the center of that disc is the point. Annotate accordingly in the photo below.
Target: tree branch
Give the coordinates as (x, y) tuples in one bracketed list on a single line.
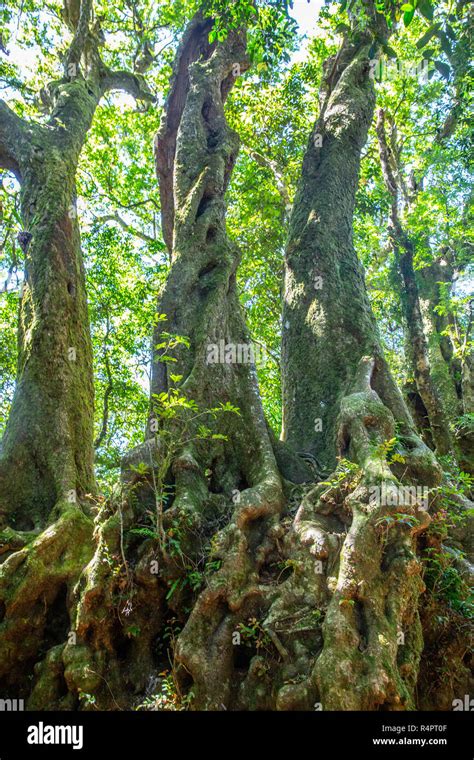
[(270, 353), (385, 162), (127, 82), (76, 49), (268, 163), (194, 45), (108, 390), (125, 226)]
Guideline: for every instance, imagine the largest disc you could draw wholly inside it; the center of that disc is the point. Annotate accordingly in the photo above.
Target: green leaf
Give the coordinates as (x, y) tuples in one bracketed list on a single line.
[(141, 468), (426, 9), (146, 532), (443, 69), (426, 37), (445, 43), (407, 16), (173, 588), (389, 51), (165, 358)]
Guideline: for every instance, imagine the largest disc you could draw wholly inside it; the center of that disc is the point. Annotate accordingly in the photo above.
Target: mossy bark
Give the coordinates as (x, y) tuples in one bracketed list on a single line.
[(339, 398), (328, 325), (46, 455), (446, 370), (46, 458), (416, 342), (200, 301), (47, 450), (453, 376)]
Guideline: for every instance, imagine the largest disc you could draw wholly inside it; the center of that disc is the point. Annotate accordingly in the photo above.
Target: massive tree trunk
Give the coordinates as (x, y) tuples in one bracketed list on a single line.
[(339, 398), (46, 465), (46, 455), (196, 152), (47, 452), (327, 321)]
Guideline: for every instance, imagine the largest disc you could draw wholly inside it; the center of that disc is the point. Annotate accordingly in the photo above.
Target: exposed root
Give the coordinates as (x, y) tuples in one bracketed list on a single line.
[(36, 589)]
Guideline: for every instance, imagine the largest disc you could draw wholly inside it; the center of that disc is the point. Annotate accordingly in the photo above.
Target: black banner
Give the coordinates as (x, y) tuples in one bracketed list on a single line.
[(124, 734)]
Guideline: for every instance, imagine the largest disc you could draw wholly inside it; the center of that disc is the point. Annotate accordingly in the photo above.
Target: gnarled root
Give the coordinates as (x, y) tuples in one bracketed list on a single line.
[(36, 588)]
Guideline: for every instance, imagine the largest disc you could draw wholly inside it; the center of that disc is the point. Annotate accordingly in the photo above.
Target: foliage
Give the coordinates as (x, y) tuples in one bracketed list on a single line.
[(445, 581), (168, 698), (176, 422)]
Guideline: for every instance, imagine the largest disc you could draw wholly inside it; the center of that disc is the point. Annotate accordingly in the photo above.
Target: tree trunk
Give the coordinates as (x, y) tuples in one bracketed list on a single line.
[(340, 399), (416, 344), (417, 350), (328, 325), (445, 369), (46, 464), (47, 452), (453, 376), (46, 456), (200, 301)]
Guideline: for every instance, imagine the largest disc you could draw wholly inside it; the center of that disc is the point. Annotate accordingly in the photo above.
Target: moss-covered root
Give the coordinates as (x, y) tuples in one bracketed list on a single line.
[(118, 613), (36, 588), (205, 648), (372, 634), (310, 555)]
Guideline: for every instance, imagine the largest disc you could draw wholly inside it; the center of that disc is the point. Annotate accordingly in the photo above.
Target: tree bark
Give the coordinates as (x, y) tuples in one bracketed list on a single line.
[(196, 153), (339, 398), (47, 454), (328, 325), (446, 370), (416, 344)]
